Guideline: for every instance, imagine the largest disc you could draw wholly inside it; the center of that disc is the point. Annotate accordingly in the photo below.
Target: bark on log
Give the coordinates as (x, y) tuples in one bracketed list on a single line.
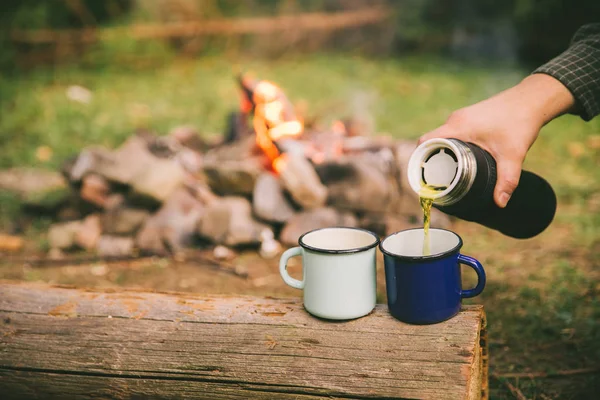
[(58, 342)]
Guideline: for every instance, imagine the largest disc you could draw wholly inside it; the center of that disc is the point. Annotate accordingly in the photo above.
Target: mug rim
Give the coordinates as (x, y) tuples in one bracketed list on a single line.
[(340, 251), (415, 259)]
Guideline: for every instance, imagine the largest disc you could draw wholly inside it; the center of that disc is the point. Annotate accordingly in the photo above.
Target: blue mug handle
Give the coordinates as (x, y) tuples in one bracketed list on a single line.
[(476, 265)]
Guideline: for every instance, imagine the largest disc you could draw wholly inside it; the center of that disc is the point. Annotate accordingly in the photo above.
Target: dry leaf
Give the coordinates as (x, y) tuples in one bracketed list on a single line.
[(43, 153)]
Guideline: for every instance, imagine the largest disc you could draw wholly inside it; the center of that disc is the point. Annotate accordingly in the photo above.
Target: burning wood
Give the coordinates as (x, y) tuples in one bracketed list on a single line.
[(274, 117)]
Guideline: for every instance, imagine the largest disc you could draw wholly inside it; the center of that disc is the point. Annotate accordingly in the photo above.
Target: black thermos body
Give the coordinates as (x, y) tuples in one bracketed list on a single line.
[(469, 174)]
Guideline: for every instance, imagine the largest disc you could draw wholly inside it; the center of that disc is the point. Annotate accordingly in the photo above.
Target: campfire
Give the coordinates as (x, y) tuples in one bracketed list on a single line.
[(271, 177), (274, 118), (279, 130)]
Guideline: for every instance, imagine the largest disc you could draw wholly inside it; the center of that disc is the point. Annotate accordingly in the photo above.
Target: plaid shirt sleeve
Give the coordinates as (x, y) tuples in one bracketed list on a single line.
[(578, 68)]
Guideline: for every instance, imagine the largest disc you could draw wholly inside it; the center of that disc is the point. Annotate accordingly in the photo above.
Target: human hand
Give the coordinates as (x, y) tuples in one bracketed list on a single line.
[(507, 124)]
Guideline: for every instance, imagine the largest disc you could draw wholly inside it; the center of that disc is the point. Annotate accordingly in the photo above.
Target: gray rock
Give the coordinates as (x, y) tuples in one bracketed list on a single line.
[(129, 161), (131, 164), (223, 253), (149, 238), (62, 235), (103, 162), (36, 187), (269, 201), (241, 149), (233, 177), (173, 227), (356, 185), (269, 247), (88, 232), (314, 219), (123, 220), (27, 180), (229, 222), (299, 178), (115, 246), (159, 180), (120, 166), (190, 160)]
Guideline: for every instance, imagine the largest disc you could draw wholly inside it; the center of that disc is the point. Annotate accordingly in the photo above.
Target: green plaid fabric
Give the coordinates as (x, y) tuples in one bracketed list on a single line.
[(578, 68)]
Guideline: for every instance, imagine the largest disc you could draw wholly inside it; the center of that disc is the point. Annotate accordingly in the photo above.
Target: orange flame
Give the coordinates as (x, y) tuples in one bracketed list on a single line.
[(274, 119), (290, 128), (338, 127), (279, 163)]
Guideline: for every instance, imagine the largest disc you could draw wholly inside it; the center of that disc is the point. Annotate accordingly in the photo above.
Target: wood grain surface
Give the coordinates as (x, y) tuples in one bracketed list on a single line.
[(58, 342)]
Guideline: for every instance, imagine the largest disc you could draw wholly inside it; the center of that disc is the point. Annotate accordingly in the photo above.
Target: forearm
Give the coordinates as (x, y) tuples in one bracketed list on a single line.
[(578, 69), (533, 102), (543, 97)]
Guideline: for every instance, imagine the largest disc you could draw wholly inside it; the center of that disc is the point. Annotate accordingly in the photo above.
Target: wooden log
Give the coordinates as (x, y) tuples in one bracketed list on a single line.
[(235, 26), (58, 342)]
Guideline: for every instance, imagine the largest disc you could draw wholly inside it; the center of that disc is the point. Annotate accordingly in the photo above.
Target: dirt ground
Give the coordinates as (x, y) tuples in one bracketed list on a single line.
[(512, 261), (247, 274)]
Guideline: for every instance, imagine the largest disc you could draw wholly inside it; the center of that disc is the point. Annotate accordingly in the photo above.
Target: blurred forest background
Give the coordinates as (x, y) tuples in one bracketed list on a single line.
[(409, 63), (525, 31)]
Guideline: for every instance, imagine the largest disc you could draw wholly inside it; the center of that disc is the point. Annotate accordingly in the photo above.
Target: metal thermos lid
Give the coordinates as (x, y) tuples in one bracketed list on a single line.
[(439, 169), (441, 162)]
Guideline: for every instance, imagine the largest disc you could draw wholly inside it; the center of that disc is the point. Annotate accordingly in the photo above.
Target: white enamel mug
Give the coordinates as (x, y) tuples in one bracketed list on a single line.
[(339, 272)]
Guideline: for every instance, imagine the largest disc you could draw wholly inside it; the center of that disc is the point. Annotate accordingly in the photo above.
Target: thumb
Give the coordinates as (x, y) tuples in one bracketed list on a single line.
[(444, 131), (509, 172)]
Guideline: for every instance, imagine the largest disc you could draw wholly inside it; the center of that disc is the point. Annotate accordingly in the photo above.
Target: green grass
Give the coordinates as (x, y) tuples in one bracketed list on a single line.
[(406, 97), (542, 296)]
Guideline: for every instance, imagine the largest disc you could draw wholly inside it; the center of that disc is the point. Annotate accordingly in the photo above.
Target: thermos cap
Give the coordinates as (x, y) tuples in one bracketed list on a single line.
[(441, 162)]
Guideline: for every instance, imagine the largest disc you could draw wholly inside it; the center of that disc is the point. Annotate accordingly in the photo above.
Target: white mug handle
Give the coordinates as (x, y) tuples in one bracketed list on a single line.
[(295, 283)]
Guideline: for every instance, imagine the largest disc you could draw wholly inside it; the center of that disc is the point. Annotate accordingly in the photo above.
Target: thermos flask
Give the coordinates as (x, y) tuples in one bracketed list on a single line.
[(465, 176)]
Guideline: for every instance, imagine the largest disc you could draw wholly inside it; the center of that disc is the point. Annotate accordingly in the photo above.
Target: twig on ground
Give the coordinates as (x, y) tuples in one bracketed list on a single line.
[(224, 266), (541, 374), (41, 262), (512, 388), (196, 258)]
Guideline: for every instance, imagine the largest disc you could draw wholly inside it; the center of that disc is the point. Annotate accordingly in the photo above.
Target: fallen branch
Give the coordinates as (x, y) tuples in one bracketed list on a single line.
[(237, 26), (540, 374), (512, 388), (220, 265)]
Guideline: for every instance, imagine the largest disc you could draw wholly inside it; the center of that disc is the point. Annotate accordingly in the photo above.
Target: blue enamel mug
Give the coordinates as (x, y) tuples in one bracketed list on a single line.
[(426, 289)]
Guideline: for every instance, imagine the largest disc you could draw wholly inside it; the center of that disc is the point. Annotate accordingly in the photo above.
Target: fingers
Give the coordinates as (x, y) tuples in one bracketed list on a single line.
[(509, 172), (444, 131)]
